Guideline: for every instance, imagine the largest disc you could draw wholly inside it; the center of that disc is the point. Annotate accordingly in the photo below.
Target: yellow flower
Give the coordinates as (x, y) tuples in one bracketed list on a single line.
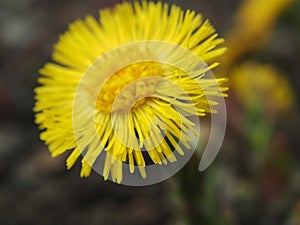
[(119, 89), (262, 86), (253, 25)]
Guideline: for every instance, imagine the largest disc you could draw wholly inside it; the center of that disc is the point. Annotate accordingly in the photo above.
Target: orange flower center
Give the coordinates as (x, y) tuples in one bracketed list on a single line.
[(129, 87)]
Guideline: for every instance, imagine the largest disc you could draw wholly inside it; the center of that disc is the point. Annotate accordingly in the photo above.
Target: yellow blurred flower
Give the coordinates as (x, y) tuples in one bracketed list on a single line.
[(257, 85), (145, 122), (253, 25)]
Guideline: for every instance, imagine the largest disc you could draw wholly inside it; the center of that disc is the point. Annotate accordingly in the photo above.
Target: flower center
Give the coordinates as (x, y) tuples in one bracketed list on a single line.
[(129, 87)]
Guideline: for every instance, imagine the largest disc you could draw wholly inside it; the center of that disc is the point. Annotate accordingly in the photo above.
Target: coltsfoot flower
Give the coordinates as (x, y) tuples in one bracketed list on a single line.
[(262, 86), (253, 25), (122, 89)]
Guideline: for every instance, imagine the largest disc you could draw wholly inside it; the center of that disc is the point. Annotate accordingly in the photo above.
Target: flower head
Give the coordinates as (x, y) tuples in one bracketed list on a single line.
[(253, 24), (269, 90), (122, 89)]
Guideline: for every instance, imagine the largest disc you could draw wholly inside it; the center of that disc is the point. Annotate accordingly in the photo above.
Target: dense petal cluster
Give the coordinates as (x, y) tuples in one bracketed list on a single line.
[(139, 118)]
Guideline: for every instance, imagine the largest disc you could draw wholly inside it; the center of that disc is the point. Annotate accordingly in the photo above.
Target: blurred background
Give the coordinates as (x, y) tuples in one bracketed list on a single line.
[(255, 179)]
